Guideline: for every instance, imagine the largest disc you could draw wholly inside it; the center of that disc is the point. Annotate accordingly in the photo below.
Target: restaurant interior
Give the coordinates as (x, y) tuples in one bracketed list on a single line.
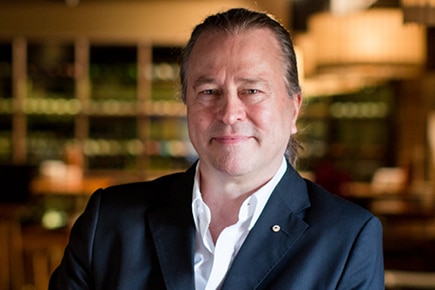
[(89, 98)]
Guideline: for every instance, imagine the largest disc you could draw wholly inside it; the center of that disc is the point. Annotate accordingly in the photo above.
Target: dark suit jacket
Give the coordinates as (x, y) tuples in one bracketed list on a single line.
[(141, 236)]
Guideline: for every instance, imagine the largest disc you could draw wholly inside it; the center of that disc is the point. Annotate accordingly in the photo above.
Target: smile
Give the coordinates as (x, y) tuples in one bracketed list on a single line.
[(228, 140)]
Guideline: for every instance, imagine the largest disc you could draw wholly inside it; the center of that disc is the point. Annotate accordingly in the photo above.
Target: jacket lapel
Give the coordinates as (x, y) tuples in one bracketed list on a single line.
[(173, 232), (270, 240)]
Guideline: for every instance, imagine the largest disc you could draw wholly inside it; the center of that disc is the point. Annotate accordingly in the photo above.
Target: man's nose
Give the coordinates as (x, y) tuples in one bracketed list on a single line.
[(231, 109)]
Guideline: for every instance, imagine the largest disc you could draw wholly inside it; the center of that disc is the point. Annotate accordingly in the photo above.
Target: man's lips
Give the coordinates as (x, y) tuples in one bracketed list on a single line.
[(230, 139)]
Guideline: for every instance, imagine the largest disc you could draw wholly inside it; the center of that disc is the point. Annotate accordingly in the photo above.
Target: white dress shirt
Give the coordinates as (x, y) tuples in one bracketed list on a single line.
[(213, 261)]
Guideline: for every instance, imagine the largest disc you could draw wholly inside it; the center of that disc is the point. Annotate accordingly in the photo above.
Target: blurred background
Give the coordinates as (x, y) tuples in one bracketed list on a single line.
[(89, 98)]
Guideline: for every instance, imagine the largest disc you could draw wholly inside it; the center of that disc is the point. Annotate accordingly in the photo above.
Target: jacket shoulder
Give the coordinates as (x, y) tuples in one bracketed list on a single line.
[(139, 186), (166, 189), (335, 207)]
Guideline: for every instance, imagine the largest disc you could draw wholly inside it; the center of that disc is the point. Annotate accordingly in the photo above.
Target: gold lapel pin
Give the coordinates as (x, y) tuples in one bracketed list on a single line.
[(276, 228)]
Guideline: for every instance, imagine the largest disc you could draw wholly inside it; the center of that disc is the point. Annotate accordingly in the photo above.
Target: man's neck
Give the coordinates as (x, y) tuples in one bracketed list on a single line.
[(225, 194)]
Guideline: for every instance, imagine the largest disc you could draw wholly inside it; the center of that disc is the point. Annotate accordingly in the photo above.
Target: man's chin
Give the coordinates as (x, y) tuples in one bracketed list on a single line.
[(233, 168)]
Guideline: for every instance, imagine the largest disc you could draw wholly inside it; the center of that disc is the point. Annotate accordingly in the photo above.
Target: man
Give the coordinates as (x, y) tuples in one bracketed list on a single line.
[(241, 217)]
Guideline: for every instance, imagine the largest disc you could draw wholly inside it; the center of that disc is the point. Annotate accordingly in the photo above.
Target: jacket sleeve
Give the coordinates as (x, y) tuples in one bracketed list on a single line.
[(75, 270), (365, 265)]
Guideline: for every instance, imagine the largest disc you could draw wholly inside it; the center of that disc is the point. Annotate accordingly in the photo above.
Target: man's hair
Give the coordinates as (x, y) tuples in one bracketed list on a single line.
[(238, 20)]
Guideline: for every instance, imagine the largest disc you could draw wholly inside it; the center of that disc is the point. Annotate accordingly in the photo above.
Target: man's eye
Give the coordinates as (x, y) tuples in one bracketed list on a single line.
[(252, 96), (252, 91), (208, 92)]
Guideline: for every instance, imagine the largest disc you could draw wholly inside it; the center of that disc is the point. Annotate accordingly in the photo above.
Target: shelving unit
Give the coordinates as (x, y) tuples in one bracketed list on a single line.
[(354, 132), (112, 113), (116, 102), (168, 145), (5, 101), (50, 92)]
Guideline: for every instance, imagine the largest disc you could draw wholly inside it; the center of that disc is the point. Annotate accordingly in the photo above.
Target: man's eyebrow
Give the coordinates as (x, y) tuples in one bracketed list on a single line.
[(203, 80), (257, 80), (247, 81)]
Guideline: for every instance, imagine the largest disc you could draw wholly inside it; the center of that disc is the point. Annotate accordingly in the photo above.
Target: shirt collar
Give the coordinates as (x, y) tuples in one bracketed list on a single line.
[(257, 201)]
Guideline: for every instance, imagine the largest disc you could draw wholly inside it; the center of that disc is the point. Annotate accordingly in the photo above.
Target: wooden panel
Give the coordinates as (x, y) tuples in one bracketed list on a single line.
[(157, 21)]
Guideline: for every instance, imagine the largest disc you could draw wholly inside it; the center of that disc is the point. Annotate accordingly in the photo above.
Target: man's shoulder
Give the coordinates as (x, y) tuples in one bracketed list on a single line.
[(161, 190), (160, 182), (334, 206)]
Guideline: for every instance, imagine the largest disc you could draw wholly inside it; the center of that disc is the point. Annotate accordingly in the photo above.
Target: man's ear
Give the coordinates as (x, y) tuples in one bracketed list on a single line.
[(297, 103)]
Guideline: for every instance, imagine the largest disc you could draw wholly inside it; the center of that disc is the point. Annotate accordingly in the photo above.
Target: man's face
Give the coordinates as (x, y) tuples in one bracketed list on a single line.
[(240, 116)]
